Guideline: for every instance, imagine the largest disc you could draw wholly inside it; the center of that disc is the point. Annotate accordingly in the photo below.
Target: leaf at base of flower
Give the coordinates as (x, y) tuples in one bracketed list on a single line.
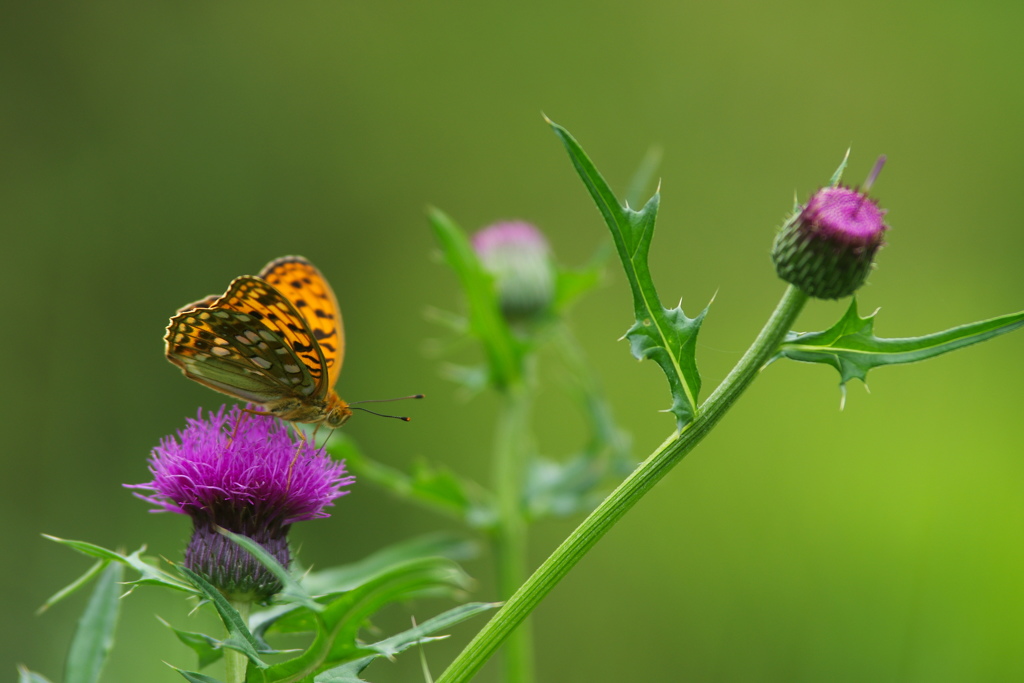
[(239, 637), (207, 648), (291, 590)]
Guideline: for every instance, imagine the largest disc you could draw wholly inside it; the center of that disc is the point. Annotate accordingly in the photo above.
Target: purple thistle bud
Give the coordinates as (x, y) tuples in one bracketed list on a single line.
[(248, 474), (828, 249), (518, 257)]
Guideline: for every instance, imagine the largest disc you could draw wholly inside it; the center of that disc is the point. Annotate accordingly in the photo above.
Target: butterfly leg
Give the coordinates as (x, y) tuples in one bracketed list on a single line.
[(239, 421), (253, 411)]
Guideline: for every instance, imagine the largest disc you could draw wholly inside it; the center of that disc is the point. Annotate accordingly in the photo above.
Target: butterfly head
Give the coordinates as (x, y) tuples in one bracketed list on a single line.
[(337, 412)]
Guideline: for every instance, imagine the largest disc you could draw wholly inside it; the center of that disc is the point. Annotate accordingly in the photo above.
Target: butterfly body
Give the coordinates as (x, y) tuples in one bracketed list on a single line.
[(275, 340)]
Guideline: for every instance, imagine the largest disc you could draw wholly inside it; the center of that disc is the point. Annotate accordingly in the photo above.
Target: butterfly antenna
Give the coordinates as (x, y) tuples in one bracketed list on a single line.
[(387, 400), (396, 417), (354, 407)]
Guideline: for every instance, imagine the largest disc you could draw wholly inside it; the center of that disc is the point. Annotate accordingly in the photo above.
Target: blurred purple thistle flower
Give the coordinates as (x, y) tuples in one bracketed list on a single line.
[(518, 257), (248, 474)]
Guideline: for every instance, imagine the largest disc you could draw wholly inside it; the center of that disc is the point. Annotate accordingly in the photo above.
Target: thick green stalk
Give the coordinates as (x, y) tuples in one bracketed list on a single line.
[(626, 495), (235, 662), (512, 450)]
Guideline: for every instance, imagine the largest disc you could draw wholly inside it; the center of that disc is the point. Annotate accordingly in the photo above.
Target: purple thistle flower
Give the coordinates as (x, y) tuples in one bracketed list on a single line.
[(828, 249), (518, 257), (248, 474)]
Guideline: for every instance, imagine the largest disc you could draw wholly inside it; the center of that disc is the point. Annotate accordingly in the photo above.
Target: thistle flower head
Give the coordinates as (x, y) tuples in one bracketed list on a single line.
[(828, 248), (518, 257), (247, 474)]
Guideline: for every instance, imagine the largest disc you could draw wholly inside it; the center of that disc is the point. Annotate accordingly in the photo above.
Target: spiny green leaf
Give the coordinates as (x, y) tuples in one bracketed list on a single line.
[(346, 673), (239, 637), (349, 672), (664, 335), (150, 575), (94, 637), (196, 677), (334, 581), (851, 347), (207, 648), (291, 590), (504, 352), (338, 625)]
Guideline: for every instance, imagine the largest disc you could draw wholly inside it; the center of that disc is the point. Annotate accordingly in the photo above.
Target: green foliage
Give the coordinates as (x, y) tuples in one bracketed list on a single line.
[(75, 585), (851, 347), (504, 352), (349, 576), (571, 284), (334, 618), (291, 591), (150, 574), (434, 487), (94, 637), (207, 648), (389, 647), (664, 335), (239, 637), (573, 485), (26, 676), (332, 605), (195, 677)]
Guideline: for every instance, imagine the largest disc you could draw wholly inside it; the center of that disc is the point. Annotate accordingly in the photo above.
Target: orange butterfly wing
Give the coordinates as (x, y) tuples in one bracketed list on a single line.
[(309, 292), (250, 343), (276, 340)]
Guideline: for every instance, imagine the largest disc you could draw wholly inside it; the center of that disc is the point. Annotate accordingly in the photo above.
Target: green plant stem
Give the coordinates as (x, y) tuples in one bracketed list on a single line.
[(512, 450), (235, 662), (626, 495)]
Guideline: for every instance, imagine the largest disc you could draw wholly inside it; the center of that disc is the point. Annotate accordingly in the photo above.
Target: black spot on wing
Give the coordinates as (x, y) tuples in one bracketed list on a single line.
[(300, 348), (324, 334)]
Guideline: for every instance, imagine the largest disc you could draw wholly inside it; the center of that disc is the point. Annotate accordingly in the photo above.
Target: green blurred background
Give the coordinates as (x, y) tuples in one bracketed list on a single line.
[(153, 151)]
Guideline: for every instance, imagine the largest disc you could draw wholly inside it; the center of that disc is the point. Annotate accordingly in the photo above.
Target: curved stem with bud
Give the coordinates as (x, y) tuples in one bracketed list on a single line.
[(627, 494)]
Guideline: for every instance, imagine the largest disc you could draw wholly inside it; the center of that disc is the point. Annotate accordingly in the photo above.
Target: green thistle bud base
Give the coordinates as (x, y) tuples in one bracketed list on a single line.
[(823, 268)]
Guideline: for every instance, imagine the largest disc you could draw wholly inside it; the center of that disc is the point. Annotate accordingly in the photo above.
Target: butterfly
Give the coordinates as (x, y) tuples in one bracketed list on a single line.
[(273, 339)]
